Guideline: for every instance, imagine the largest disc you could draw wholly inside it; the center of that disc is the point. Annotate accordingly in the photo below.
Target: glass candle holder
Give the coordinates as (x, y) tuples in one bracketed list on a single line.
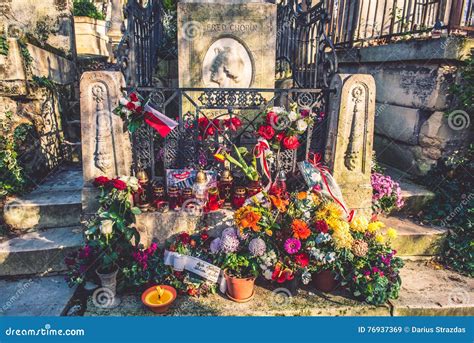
[(158, 193), (186, 195), (213, 202), (173, 198), (239, 198), (253, 188)]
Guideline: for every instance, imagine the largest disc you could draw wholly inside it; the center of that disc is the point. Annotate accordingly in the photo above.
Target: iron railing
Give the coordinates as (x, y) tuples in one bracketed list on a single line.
[(354, 22)]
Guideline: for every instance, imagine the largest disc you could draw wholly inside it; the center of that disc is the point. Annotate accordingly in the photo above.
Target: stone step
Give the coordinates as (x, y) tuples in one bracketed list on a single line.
[(55, 203), (35, 296), (415, 196), (423, 292), (39, 251), (415, 239)]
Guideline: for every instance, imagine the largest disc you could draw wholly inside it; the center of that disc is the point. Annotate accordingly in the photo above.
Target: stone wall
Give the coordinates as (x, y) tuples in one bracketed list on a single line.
[(413, 124)]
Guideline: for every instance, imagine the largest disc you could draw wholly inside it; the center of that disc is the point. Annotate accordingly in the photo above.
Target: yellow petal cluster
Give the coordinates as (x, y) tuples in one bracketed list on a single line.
[(342, 234), (375, 226), (359, 224)]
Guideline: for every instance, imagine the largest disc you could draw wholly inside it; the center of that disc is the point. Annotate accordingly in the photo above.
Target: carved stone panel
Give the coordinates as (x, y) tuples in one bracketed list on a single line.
[(106, 148), (350, 136)]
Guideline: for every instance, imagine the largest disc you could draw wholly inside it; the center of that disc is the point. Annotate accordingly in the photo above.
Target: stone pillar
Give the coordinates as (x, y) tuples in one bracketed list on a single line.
[(116, 19), (106, 148), (350, 137)]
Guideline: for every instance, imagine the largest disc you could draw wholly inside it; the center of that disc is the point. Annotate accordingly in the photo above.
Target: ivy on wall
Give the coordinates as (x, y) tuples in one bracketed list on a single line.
[(85, 8)]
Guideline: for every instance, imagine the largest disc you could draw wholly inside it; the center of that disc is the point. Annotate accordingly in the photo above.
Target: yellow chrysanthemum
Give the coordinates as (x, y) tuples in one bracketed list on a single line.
[(391, 233), (342, 236), (329, 211), (269, 232), (379, 238), (375, 226), (359, 224), (316, 198)]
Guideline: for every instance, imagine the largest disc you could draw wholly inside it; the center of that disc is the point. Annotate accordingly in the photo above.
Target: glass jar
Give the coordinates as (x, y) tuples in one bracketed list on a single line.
[(239, 198), (225, 186), (213, 202), (253, 188), (186, 194), (158, 193), (173, 198)]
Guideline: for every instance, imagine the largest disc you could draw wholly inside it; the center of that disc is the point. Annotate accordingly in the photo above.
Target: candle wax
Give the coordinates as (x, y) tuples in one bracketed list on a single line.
[(152, 298)]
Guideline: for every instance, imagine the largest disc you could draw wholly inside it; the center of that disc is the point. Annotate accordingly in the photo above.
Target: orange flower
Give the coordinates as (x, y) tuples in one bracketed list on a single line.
[(279, 203), (248, 219), (300, 229), (301, 195)]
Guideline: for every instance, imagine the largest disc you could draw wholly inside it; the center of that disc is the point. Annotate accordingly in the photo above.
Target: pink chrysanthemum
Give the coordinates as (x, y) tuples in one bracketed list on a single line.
[(292, 245)]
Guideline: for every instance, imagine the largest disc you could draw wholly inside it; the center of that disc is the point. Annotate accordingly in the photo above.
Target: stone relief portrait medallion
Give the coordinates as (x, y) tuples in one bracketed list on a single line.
[(227, 64)]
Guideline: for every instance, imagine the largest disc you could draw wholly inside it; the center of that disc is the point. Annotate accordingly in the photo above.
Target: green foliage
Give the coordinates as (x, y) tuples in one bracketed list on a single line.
[(45, 82), (240, 265), (85, 8), (12, 178), (25, 54), (3, 46), (464, 89), (453, 182)]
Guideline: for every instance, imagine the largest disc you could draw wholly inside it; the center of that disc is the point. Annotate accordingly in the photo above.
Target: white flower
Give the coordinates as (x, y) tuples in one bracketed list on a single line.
[(126, 111), (106, 227), (278, 110), (137, 103), (301, 125), (292, 116), (267, 274), (123, 101), (306, 277)]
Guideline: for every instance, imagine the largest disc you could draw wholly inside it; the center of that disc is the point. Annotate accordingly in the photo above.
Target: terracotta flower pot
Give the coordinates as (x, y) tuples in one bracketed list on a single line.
[(239, 289), (324, 281), (159, 308)]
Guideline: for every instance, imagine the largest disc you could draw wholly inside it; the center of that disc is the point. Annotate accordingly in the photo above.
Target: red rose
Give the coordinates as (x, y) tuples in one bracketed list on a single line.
[(118, 184), (203, 122), (204, 236), (291, 143), (184, 237), (233, 123), (139, 109), (304, 113), (266, 131), (272, 118), (130, 106), (322, 226), (302, 259), (101, 181), (133, 97), (280, 136), (210, 131)]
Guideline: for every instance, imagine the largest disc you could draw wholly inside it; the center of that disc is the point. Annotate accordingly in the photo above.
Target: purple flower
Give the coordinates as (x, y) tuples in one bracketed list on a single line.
[(228, 231), (229, 243), (257, 247), (292, 245), (215, 246)]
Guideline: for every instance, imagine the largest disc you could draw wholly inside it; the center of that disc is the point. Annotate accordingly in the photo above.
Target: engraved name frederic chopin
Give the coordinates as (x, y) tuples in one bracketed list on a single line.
[(227, 67)]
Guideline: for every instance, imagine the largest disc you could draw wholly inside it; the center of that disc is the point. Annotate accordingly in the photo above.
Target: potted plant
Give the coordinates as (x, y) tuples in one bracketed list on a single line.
[(240, 272)]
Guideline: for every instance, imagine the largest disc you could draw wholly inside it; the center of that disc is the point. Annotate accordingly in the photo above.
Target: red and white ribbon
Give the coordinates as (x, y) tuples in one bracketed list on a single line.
[(315, 160), (259, 152)]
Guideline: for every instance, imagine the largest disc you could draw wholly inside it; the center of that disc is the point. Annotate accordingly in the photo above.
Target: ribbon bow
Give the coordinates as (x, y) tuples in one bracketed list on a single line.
[(259, 152), (316, 161)]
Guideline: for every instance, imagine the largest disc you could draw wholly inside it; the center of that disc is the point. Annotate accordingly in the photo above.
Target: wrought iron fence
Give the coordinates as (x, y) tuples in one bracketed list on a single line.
[(356, 21), (188, 146)]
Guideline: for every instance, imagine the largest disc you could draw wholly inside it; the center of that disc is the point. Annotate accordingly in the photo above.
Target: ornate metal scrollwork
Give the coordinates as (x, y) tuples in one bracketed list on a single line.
[(223, 99)]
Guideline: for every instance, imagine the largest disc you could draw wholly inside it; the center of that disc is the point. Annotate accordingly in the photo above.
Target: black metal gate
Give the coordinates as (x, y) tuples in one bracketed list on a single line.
[(302, 46)]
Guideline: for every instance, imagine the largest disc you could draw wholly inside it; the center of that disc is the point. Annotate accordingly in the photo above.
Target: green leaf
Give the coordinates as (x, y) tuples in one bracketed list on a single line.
[(135, 210)]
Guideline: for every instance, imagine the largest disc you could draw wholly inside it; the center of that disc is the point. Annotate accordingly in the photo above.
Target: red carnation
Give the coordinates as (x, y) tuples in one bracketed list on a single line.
[(133, 97), (322, 226), (118, 184), (280, 136), (184, 237), (291, 143), (272, 118), (266, 131), (130, 106), (139, 109), (101, 181), (204, 236), (302, 259), (233, 123)]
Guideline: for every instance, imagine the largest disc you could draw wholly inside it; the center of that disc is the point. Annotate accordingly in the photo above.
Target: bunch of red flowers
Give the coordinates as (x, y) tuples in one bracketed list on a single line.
[(104, 181)]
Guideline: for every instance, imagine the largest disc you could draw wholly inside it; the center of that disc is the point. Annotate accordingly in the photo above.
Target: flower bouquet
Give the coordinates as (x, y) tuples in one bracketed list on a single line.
[(387, 194)]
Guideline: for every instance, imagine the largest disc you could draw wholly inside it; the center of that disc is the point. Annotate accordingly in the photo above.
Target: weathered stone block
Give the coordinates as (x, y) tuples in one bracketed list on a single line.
[(226, 45), (399, 123), (439, 132), (91, 38), (350, 137), (106, 148)]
